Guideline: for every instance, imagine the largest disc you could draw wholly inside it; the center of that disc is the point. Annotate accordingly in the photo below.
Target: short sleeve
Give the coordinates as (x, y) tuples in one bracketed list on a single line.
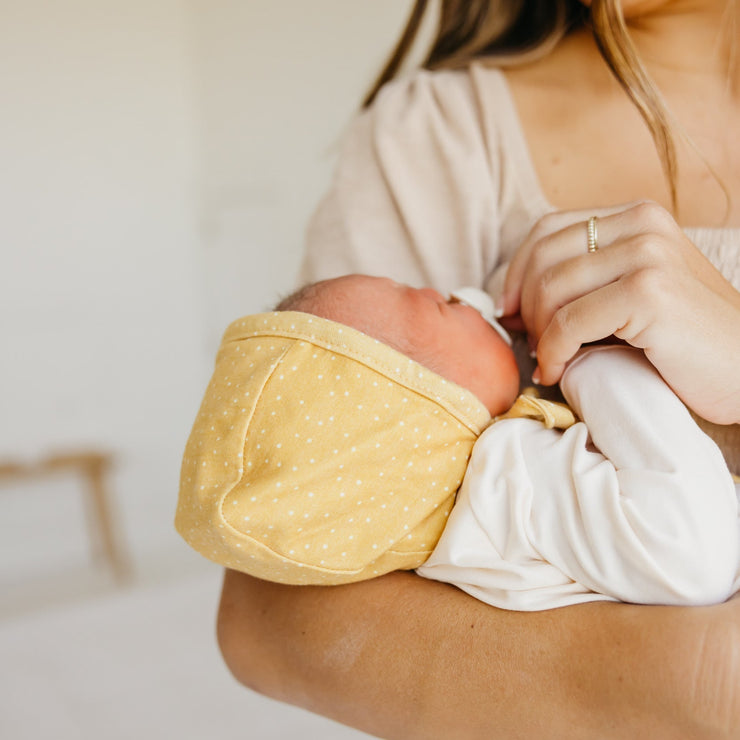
[(414, 194)]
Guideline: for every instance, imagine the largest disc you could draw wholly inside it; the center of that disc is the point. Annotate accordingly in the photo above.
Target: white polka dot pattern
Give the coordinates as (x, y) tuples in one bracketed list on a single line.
[(320, 455)]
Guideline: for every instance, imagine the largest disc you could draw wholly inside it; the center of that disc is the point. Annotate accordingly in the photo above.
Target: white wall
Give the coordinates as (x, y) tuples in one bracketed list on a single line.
[(102, 309), (158, 161), (277, 84)]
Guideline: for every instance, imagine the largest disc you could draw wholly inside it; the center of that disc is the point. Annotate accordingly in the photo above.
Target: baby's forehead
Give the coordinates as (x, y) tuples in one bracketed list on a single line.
[(371, 304), (368, 288)]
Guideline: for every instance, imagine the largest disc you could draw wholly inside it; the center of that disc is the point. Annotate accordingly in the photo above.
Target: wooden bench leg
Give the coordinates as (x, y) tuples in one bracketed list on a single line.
[(104, 534)]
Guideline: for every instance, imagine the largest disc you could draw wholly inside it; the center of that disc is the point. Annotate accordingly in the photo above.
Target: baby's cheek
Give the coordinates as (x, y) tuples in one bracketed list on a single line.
[(503, 377)]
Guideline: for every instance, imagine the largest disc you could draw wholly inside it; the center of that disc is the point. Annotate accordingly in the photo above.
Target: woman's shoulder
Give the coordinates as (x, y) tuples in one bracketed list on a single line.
[(440, 101), (463, 101), (467, 113), (423, 87)]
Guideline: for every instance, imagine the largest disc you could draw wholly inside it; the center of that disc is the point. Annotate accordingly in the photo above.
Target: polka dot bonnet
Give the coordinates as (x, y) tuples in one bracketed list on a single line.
[(321, 455)]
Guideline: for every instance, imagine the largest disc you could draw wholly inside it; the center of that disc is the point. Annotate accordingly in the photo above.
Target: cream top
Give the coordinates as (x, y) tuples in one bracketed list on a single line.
[(435, 186)]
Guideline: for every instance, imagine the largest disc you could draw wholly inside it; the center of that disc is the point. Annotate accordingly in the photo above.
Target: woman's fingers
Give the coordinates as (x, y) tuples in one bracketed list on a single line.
[(688, 331), (545, 228), (646, 284), (568, 280), (580, 322), (555, 237), (550, 271)]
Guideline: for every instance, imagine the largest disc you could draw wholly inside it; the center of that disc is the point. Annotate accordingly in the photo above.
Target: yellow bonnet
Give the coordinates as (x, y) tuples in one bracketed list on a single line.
[(320, 455)]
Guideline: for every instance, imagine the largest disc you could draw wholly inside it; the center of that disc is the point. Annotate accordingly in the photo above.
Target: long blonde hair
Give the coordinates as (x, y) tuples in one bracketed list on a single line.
[(515, 31)]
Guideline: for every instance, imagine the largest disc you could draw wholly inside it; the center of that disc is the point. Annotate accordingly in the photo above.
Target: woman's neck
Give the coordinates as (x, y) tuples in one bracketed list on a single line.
[(689, 44), (604, 154)]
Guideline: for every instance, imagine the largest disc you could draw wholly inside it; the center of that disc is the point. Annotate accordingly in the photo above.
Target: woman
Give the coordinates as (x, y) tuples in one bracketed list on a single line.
[(536, 109)]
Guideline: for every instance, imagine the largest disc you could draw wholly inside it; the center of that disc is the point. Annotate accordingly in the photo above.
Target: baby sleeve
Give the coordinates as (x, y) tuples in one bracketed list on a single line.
[(656, 518), (636, 504), (414, 194)]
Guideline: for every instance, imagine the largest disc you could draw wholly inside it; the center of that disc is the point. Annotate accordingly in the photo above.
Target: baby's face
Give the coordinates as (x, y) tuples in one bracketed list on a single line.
[(448, 337)]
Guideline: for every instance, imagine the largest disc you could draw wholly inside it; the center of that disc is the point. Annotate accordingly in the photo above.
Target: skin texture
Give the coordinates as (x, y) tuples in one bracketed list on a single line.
[(406, 658), (450, 338), (647, 285), (661, 673), (595, 149)]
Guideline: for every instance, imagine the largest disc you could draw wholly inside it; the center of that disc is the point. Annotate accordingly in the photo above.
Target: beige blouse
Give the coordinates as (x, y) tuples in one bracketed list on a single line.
[(435, 186)]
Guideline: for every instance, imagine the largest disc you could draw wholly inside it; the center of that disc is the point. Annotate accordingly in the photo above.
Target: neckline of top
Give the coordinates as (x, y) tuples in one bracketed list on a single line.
[(525, 171)]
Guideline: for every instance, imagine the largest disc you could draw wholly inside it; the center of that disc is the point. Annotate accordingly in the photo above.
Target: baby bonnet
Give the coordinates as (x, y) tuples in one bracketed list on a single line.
[(320, 455)]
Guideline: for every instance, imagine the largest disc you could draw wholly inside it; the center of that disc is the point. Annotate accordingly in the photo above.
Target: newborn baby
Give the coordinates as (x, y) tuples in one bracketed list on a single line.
[(336, 431)]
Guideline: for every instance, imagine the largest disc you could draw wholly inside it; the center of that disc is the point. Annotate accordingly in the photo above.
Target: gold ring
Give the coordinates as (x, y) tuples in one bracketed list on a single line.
[(593, 235)]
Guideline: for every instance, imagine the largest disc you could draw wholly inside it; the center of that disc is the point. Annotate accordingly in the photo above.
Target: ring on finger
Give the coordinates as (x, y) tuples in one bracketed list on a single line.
[(592, 235)]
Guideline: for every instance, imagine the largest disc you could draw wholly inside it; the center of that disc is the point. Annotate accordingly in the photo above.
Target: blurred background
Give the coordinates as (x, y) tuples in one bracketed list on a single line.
[(159, 160)]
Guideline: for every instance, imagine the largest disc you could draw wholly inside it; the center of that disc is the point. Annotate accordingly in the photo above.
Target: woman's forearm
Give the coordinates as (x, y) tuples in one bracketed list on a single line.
[(403, 657)]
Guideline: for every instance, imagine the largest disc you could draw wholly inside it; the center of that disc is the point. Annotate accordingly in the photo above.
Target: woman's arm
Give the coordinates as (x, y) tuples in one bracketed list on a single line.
[(403, 657)]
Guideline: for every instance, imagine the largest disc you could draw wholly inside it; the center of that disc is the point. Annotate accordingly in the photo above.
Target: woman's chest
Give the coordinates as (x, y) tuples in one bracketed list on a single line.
[(589, 146)]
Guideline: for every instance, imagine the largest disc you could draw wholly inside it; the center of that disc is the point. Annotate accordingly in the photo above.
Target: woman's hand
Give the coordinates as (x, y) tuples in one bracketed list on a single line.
[(647, 284)]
